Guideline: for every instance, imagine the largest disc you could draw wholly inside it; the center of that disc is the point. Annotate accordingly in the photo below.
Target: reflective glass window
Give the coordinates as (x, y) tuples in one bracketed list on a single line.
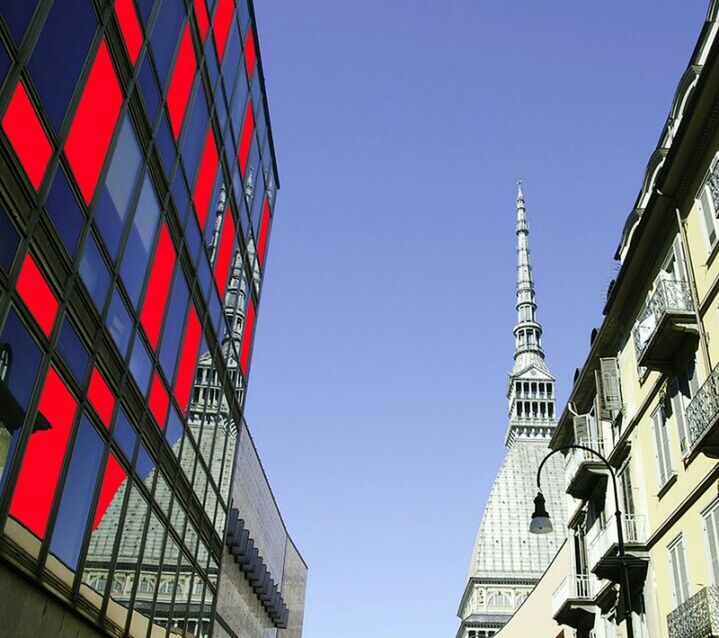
[(139, 241), (65, 212), (116, 195), (174, 431), (101, 397), (221, 22), (140, 364), (72, 350), (233, 54), (250, 53), (246, 135), (158, 401), (37, 481), (173, 329), (59, 54), (19, 363), (34, 290), (246, 346), (77, 495), (144, 464), (186, 365), (180, 195), (192, 238), (94, 122), (223, 258), (9, 240), (148, 88), (112, 479), (125, 434), (119, 322), (206, 178), (194, 136), (164, 36), (17, 16), (158, 286), (129, 27), (166, 145), (94, 272), (181, 82), (145, 7), (27, 135)]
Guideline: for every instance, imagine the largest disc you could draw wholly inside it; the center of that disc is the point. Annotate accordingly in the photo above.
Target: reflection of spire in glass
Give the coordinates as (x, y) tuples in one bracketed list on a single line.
[(5, 360), (250, 184)]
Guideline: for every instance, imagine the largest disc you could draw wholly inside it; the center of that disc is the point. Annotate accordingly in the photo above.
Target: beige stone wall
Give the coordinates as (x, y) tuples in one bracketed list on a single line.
[(534, 617)]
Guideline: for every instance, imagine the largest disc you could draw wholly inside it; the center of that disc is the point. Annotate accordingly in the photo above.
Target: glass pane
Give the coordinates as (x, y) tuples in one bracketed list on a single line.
[(9, 240), (19, 364), (73, 351), (140, 365), (65, 212), (59, 54), (119, 322), (94, 273), (77, 495), (125, 435)]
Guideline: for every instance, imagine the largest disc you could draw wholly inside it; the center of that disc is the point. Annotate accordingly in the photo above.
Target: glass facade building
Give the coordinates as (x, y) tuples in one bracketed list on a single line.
[(137, 189)]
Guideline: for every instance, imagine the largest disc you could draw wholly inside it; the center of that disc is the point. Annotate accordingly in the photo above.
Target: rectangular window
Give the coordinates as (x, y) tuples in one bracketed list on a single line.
[(27, 136), (186, 366), (711, 530), (94, 273), (681, 391), (661, 441), (181, 83), (40, 470), (158, 287), (203, 21), (72, 350), (77, 495), (113, 478), (37, 295), (93, 123), (708, 215), (678, 566), (264, 230), (64, 210)]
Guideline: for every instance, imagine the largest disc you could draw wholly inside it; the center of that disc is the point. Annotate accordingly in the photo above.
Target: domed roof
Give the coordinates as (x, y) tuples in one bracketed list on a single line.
[(504, 547)]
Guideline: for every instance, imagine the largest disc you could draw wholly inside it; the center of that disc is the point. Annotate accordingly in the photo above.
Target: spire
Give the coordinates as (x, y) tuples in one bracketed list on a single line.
[(527, 332), (531, 385)]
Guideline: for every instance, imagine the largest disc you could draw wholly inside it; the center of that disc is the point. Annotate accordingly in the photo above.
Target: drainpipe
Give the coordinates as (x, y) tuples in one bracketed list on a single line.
[(692, 282)]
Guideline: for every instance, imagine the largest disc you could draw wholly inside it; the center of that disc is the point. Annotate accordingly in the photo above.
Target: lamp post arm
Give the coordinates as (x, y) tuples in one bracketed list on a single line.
[(617, 513)]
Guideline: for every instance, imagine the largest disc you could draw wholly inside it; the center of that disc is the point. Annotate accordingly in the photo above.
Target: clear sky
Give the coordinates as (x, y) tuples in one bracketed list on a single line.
[(377, 394)]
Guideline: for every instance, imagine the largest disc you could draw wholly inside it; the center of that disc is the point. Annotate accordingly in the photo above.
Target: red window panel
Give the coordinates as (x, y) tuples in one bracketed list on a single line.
[(181, 83), (93, 124), (112, 479), (158, 286), (27, 136), (203, 22), (264, 229), (159, 401), (186, 367), (40, 470), (221, 24), (247, 333), (206, 178), (130, 27), (250, 53), (101, 397), (37, 295), (248, 127), (224, 253)]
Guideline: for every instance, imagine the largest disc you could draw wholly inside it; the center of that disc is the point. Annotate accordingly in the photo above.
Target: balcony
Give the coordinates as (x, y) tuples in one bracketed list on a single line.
[(583, 470), (702, 416), (698, 617), (573, 600), (602, 552), (663, 324)]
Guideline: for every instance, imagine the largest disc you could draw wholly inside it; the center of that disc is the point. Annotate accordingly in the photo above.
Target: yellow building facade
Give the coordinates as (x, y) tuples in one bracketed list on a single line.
[(647, 397)]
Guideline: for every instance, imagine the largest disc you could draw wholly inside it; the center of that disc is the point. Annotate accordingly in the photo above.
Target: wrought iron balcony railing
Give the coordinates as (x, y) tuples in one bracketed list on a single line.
[(697, 617), (669, 296), (703, 411)]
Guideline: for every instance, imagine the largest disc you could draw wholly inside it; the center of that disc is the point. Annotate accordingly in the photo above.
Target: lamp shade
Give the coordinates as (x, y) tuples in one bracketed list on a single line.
[(541, 523)]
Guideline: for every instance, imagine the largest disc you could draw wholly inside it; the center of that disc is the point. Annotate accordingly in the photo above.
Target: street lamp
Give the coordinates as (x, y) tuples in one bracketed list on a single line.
[(542, 524)]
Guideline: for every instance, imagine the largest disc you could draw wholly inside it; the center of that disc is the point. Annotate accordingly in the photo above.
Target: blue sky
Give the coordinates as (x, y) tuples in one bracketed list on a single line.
[(384, 339)]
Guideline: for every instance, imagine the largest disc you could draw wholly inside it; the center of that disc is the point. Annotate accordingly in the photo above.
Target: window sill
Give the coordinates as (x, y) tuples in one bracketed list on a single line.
[(667, 484)]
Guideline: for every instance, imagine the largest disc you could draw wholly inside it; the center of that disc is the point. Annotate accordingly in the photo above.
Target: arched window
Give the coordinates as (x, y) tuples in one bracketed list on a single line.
[(167, 586), (146, 585), (521, 598), (500, 600)]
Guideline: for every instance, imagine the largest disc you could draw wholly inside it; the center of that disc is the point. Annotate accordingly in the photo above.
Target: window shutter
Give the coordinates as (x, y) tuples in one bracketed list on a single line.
[(581, 428), (611, 386), (710, 526), (708, 214), (657, 419)]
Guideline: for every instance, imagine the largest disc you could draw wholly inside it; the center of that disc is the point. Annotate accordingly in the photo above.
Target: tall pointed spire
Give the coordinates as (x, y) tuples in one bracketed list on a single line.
[(531, 385), (527, 332)]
